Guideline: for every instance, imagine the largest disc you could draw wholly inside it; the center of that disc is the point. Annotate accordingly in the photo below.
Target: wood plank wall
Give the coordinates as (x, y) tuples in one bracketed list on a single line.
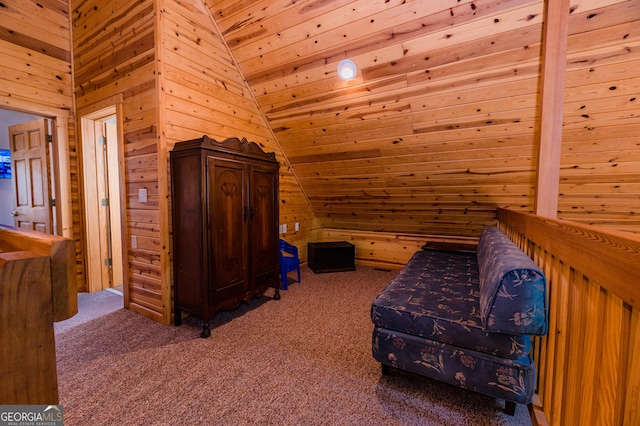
[(600, 170), (177, 81), (588, 364), (115, 57), (205, 93), (438, 129), (36, 77), (442, 123)]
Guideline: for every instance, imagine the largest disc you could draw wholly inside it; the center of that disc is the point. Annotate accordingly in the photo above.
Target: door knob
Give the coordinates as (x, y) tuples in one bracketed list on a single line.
[(14, 213)]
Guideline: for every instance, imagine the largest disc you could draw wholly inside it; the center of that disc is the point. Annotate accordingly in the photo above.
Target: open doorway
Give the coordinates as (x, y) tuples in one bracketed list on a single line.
[(103, 202)]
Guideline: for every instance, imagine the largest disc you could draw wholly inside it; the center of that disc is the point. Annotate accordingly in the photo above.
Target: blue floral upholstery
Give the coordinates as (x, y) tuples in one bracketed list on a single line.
[(512, 287), (465, 318), (436, 295), (512, 380)]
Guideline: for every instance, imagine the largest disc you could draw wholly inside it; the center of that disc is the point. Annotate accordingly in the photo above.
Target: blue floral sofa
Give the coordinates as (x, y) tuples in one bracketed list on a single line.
[(466, 318)]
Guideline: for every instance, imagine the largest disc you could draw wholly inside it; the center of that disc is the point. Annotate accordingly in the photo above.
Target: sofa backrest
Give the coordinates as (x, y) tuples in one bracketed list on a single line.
[(512, 287)]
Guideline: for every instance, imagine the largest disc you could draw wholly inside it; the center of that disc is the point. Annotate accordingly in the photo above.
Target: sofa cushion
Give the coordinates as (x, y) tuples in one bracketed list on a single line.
[(436, 295), (512, 287)]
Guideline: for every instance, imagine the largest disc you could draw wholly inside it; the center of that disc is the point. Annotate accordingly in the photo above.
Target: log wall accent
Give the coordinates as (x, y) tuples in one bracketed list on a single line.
[(36, 77), (588, 364)]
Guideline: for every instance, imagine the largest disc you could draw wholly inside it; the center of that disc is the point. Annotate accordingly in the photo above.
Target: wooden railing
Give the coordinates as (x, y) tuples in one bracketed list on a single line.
[(589, 363)]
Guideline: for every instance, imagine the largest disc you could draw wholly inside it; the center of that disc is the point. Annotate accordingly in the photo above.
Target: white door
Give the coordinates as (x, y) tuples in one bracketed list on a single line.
[(31, 176)]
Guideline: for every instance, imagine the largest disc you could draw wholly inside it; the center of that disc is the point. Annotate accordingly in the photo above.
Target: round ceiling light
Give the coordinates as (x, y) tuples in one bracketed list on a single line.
[(347, 69)]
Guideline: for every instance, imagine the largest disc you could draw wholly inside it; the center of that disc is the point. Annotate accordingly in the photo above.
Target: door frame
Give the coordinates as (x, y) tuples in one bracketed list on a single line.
[(87, 118)]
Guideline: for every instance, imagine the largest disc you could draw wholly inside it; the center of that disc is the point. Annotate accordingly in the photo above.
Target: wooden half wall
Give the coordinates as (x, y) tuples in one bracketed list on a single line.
[(37, 287), (589, 362)]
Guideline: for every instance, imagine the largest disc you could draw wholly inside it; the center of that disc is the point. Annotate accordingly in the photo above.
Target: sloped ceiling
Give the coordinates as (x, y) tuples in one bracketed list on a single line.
[(436, 131)]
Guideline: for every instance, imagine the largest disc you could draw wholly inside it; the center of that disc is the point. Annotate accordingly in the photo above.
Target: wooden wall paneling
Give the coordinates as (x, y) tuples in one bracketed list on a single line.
[(443, 110), (370, 32), (387, 250), (196, 112), (125, 50), (180, 78), (97, 21), (359, 127), (491, 50), (212, 65), (51, 29), (237, 23), (128, 83), (35, 77), (436, 55), (601, 92), (297, 140), (349, 21), (445, 141), (126, 30), (200, 102), (205, 93)]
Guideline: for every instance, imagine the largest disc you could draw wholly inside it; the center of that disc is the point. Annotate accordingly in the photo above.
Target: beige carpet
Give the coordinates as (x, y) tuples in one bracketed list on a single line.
[(303, 360)]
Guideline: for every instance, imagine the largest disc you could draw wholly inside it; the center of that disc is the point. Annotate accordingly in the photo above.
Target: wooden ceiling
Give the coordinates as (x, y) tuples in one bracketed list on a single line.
[(438, 129)]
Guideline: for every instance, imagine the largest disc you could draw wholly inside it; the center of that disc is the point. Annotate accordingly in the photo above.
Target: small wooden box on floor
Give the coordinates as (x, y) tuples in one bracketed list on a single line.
[(336, 256)]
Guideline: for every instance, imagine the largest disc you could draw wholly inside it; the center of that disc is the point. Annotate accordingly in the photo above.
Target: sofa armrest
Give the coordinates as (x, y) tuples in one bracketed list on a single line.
[(512, 287)]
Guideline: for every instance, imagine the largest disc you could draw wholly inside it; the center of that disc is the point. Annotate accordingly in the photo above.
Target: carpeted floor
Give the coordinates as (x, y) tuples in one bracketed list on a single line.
[(303, 360)]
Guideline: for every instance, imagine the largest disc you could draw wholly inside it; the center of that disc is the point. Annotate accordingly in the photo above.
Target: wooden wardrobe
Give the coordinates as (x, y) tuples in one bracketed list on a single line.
[(225, 225)]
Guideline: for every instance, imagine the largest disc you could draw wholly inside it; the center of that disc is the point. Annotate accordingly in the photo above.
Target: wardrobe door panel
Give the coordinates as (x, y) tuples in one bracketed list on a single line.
[(227, 231), (263, 225)]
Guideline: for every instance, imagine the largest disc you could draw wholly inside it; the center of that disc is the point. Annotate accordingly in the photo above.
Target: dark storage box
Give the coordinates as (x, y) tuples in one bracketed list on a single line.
[(331, 257)]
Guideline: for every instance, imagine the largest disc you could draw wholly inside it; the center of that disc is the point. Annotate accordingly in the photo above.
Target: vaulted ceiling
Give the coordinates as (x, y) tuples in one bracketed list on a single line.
[(437, 129), (441, 124)]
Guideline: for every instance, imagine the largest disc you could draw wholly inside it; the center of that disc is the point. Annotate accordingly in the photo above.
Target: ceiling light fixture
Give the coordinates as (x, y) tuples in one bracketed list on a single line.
[(347, 69)]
